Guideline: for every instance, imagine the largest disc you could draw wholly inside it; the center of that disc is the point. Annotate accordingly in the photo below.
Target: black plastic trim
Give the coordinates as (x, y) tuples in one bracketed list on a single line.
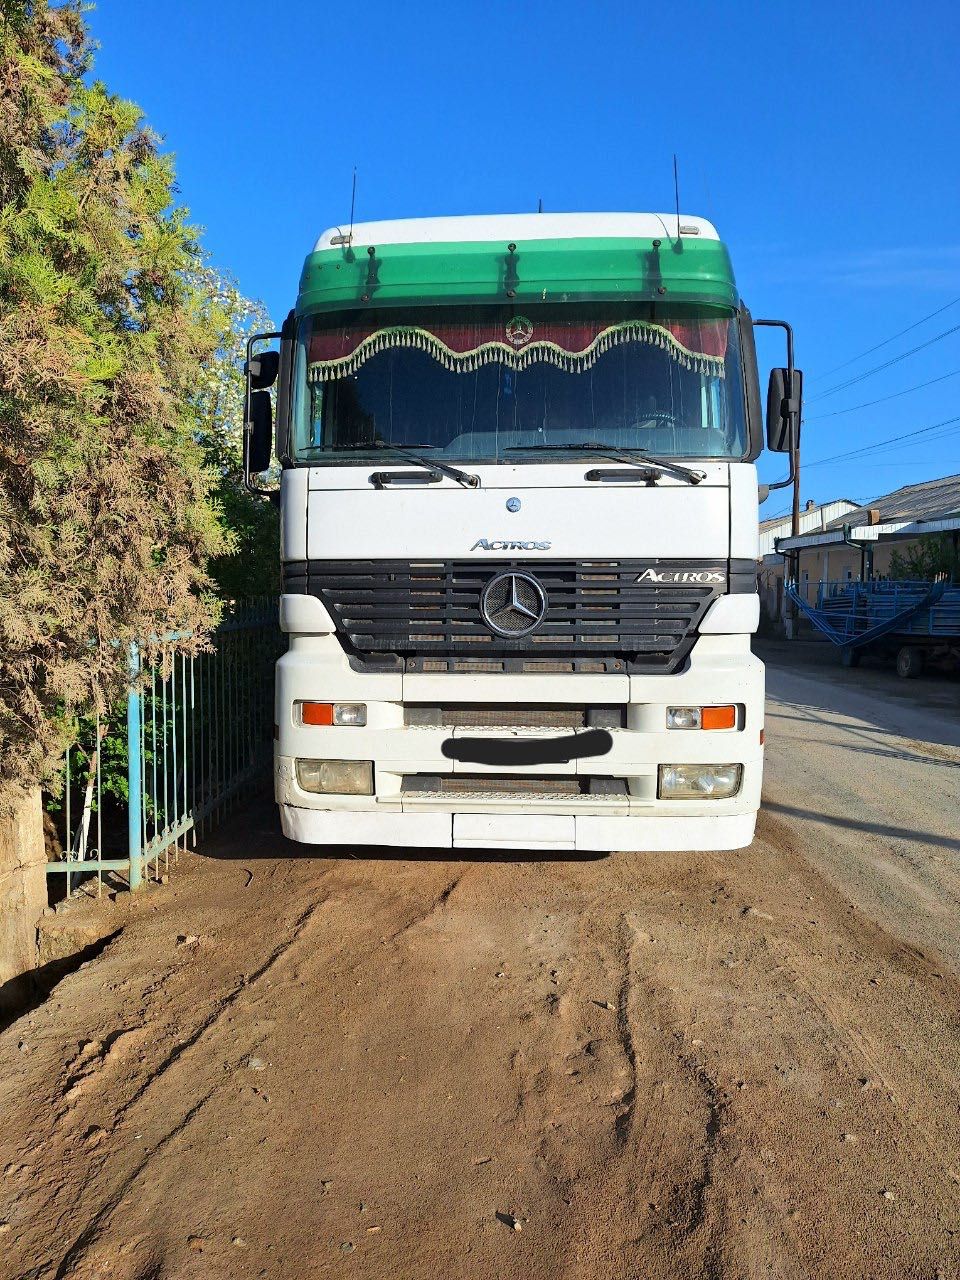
[(285, 388), (420, 615), (751, 384), (638, 475), (380, 478), (742, 577)]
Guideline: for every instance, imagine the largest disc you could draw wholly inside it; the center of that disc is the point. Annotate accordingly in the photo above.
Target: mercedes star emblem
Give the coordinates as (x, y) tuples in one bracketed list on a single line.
[(513, 604)]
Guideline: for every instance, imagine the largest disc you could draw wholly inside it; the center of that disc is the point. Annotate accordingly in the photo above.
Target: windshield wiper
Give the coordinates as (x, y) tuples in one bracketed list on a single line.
[(616, 453), (465, 478)]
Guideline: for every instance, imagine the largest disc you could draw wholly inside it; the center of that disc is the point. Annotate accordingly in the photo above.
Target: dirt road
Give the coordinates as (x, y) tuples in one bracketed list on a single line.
[(724, 1066)]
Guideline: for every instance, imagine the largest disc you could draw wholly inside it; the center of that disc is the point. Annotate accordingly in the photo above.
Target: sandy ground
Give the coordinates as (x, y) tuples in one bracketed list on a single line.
[(721, 1065)]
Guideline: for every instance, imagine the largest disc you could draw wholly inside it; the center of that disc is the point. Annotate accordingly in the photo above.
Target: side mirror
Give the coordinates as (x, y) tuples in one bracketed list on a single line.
[(260, 372), (784, 404), (263, 369), (258, 430)]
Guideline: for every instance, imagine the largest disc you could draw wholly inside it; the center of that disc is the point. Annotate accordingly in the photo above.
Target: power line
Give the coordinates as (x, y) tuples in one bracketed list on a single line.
[(894, 446), (879, 445), (886, 342), (847, 459), (947, 433), (872, 466), (841, 386), (869, 403)]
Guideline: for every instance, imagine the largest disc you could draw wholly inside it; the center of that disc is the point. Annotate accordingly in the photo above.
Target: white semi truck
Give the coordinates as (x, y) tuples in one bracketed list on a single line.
[(519, 535)]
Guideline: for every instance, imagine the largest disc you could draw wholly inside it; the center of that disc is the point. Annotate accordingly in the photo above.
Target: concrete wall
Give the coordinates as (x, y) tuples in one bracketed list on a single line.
[(23, 897)]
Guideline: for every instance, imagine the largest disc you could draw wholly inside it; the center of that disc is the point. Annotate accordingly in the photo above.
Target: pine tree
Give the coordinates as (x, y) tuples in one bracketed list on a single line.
[(108, 516)]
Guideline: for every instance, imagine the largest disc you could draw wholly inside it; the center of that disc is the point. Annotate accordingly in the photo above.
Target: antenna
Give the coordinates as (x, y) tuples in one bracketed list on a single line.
[(676, 192), (353, 200)]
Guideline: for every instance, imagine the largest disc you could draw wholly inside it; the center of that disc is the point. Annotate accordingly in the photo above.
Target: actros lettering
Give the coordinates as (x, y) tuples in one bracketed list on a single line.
[(484, 544), (681, 575)]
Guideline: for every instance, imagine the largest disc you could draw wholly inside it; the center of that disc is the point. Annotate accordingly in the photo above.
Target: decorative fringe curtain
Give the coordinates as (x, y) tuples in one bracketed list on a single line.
[(699, 345)]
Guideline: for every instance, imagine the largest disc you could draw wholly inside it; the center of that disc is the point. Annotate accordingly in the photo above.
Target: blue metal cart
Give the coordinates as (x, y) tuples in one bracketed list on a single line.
[(917, 620)]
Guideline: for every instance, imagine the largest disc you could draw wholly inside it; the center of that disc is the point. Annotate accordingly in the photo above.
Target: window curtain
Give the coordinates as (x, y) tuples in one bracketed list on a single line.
[(573, 345)]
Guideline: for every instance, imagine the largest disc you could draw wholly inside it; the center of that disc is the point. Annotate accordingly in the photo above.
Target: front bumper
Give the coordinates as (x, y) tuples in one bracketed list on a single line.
[(581, 832), (721, 669)]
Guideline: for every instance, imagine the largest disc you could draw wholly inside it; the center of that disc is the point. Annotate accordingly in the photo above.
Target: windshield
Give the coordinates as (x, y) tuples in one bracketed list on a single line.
[(480, 383)]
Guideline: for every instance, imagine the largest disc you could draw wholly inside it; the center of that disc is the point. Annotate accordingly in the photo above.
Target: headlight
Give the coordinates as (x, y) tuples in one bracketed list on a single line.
[(699, 781), (683, 717), (354, 713), (338, 777)]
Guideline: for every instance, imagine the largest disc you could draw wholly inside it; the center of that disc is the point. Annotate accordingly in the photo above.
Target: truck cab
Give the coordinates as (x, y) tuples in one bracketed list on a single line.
[(519, 536)]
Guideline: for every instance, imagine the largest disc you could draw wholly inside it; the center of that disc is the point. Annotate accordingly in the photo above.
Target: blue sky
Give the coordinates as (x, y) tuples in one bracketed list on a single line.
[(821, 138)]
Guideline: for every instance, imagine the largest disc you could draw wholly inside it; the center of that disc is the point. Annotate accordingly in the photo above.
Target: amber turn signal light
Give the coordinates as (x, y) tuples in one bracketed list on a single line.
[(316, 713), (718, 717)]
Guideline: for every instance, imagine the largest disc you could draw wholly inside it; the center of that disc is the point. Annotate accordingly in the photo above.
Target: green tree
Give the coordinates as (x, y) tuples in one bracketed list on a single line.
[(927, 558), (252, 566), (108, 333)]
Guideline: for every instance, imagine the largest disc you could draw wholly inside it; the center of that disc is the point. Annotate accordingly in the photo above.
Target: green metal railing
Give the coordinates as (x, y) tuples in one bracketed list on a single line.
[(197, 735)]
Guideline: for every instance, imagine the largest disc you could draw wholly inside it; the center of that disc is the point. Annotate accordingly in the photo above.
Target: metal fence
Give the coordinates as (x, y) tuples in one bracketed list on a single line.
[(885, 599), (196, 733), (811, 590)]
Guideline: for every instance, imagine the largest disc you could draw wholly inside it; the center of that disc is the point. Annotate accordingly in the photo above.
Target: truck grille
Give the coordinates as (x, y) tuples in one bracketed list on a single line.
[(425, 615)]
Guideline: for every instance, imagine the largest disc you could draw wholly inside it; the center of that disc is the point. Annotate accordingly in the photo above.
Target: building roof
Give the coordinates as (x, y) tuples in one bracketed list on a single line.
[(784, 520), (477, 228), (909, 512), (930, 500), (812, 519)]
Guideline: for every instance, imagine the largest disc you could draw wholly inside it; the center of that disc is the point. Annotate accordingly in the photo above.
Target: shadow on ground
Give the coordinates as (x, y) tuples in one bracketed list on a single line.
[(23, 994), (253, 833)]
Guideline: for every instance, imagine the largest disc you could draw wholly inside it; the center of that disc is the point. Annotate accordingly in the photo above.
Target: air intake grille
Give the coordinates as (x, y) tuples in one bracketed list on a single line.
[(393, 613), (508, 786), (495, 717)]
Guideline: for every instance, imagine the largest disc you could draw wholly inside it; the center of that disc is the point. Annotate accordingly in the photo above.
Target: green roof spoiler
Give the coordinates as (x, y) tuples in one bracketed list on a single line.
[(567, 270)]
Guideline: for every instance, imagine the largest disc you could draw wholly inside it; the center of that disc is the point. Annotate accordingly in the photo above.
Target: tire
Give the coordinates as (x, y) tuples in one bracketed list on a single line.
[(910, 662), (849, 657)]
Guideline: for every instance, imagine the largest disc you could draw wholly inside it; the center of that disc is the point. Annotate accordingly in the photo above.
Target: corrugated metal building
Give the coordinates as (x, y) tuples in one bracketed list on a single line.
[(891, 522), (813, 519)]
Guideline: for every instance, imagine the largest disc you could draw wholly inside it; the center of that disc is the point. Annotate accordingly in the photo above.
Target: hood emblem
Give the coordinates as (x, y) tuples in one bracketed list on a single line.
[(497, 544), (513, 604)]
